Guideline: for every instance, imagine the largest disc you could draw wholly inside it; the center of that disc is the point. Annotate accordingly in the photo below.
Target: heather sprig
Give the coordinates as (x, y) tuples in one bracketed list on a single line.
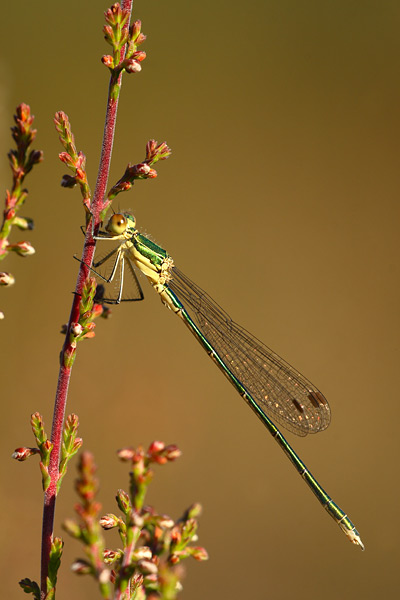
[(31, 587), (76, 161), (118, 34), (153, 544), (71, 444), (22, 160), (143, 170), (84, 326), (88, 529)]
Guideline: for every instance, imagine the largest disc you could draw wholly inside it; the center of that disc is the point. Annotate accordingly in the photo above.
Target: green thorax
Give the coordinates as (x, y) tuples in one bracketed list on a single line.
[(155, 254)]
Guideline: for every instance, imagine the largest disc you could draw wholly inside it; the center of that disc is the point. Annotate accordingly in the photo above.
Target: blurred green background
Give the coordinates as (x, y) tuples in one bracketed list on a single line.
[(281, 200)]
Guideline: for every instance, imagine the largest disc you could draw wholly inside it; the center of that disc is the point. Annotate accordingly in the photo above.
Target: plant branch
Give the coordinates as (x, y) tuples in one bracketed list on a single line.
[(98, 208)]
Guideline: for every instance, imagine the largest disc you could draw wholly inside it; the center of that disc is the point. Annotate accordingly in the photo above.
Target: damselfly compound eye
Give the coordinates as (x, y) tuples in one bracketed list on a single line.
[(116, 225)]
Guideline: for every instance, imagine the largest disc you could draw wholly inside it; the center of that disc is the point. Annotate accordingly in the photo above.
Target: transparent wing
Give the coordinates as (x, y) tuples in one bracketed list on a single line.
[(114, 270), (280, 391)]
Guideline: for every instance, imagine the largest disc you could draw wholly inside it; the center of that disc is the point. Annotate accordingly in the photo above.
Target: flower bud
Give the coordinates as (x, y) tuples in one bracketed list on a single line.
[(142, 169), (165, 522), (132, 66), (148, 567), (24, 453), (156, 447), (200, 553), (108, 61), (67, 159), (22, 248), (76, 329), (72, 527), (142, 553), (36, 157), (134, 29), (6, 279), (139, 56), (23, 223), (125, 453), (68, 182), (81, 567), (193, 511), (104, 577), (123, 501), (111, 556), (172, 452), (140, 39), (109, 521)]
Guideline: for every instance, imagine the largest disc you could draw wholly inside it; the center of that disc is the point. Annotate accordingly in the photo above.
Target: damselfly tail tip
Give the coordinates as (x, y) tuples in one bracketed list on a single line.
[(354, 537)]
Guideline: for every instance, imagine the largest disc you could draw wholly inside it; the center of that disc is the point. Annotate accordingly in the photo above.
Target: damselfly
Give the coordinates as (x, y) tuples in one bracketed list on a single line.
[(268, 384)]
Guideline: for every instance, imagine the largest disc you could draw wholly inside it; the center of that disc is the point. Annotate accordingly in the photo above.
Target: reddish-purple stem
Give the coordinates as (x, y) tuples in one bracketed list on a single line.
[(65, 372)]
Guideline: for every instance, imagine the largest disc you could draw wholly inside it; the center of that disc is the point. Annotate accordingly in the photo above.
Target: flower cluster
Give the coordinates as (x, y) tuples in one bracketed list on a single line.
[(90, 307), (76, 161), (143, 170), (21, 162), (70, 446), (118, 34), (153, 545)]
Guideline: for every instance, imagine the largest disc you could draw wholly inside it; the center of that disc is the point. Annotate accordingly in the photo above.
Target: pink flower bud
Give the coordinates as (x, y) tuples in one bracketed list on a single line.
[(137, 579), (22, 248), (135, 29), (108, 61), (176, 535), (97, 310), (67, 159), (150, 148), (148, 567), (142, 553), (125, 453), (6, 278), (166, 522), (104, 576), (142, 169), (47, 446), (81, 567), (139, 56), (80, 174), (24, 453), (109, 521), (172, 452), (132, 66), (123, 501), (200, 553), (110, 556), (9, 214), (156, 447), (76, 329)]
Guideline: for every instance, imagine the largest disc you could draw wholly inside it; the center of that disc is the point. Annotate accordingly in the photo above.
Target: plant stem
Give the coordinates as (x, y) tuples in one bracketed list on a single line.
[(68, 350)]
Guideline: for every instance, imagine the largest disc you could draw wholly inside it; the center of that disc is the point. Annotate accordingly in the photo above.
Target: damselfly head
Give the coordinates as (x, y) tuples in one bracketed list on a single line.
[(118, 223)]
